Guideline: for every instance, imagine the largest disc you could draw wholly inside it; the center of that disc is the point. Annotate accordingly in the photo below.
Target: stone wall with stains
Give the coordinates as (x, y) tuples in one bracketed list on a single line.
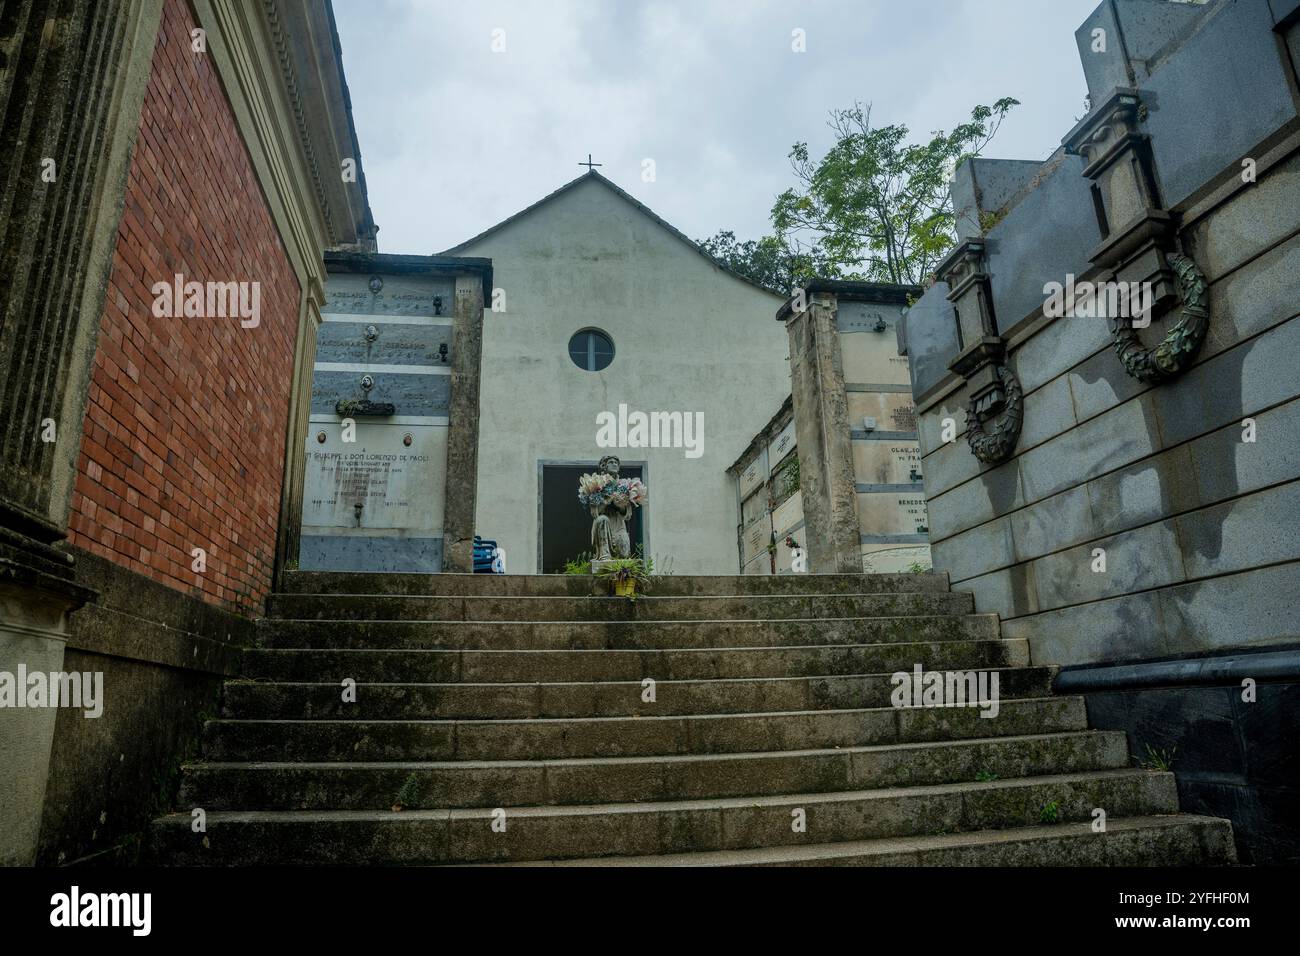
[(1144, 514)]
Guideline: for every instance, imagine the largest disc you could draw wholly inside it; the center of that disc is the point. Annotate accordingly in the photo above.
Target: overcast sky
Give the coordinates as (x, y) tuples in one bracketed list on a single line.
[(456, 137)]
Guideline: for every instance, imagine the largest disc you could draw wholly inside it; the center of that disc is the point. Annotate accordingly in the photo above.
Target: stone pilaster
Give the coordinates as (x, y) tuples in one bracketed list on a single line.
[(993, 396), (823, 436), (36, 596), (462, 437)]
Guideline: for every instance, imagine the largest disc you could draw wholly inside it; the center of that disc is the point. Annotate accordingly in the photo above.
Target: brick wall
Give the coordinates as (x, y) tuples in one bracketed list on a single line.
[(183, 443)]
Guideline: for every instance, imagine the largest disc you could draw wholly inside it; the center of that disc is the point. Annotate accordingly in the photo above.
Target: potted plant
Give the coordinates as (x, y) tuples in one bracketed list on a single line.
[(628, 577)]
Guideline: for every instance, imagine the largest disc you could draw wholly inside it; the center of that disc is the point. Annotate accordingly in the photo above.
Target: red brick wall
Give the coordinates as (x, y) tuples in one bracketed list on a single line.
[(183, 443)]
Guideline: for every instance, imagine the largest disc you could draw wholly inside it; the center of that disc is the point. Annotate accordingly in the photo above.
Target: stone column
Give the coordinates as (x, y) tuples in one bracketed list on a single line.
[(295, 468), (824, 439), (71, 87)]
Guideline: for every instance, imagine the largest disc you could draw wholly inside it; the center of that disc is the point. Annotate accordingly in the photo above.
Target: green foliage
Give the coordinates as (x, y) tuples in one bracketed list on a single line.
[(1157, 759), (408, 797), (877, 204), (579, 565), (628, 569), (779, 264), (1049, 812), (790, 477), (916, 567), (985, 776)]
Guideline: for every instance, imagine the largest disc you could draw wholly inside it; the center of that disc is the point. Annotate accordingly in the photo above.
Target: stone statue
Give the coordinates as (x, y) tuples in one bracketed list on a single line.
[(609, 537)]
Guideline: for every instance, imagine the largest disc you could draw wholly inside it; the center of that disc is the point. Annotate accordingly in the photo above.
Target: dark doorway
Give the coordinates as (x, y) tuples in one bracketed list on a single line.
[(565, 524)]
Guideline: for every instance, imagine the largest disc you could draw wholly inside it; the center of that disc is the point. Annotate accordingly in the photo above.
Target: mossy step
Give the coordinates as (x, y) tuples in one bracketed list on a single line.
[(549, 737), (620, 635), (384, 607), (562, 585), (1164, 841), (475, 666), (359, 785), (542, 833), (266, 700)]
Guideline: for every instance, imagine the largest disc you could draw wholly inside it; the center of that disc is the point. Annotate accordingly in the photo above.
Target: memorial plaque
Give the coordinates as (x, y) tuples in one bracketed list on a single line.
[(384, 342), (891, 513), (377, 503), (788, 514), (756, 538), (753, 508), (754, 475), (355, 294), (853, 316), (781, 445), (886, 462), (394, 483), (871, 358), (893, 411)]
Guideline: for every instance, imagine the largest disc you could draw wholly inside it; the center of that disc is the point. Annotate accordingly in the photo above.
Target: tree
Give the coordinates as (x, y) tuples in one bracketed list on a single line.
[(774, 263), (876, 205)]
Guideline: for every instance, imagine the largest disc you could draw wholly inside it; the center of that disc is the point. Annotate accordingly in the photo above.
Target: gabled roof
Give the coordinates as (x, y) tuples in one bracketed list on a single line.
[(592, 175)]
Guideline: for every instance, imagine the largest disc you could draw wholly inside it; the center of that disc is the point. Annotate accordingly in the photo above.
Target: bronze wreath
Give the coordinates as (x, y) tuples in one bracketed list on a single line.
[(997, 444), (1174, 354)]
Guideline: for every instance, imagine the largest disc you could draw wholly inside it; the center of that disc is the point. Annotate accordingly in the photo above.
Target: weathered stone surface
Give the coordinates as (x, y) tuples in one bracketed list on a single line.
[(930, 330), (1194, 98), (1237, 610), (995, 492), (1009, 593), (1095, 447), (1247, 532), (1129, 627), (1028, 249), (1146, 557), (751, 719), (1053, 523)]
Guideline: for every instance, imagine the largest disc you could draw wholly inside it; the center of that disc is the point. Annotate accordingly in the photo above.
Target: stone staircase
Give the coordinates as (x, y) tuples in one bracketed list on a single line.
[(482, 694)]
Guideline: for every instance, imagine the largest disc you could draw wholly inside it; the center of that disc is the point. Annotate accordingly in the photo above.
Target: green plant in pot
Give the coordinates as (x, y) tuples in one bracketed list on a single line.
[(627, 577)]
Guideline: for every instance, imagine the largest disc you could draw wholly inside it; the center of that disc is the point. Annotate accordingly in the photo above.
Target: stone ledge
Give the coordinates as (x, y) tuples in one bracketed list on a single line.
[(136, 618)]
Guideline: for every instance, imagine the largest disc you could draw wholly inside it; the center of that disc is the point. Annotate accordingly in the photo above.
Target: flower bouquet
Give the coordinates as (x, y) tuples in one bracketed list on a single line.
[(603, 489)]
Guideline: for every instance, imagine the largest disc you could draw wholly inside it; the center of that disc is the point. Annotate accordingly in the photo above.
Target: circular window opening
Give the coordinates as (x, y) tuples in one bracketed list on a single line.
[(591, 349)]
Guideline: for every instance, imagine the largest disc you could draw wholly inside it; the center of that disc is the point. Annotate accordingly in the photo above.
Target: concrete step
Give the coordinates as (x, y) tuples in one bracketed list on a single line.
[(263, 700), (562, 585), (596, 635), (551, 738), (1177, 840), (439, 666), (540, 833), (502, 783), (387, 607)]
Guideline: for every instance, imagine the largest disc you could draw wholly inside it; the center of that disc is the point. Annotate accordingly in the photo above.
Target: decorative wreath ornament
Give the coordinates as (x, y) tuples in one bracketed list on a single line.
[(1174, 354), (996, 444)]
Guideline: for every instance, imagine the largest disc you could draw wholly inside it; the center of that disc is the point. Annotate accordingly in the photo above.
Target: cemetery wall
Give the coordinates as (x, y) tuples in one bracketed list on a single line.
[(769, 498), (202, 155), (1142, 534), (856, 423), (183, 440)]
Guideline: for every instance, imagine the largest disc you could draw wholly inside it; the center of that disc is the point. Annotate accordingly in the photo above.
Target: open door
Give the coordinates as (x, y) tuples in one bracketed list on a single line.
[(565, 529)]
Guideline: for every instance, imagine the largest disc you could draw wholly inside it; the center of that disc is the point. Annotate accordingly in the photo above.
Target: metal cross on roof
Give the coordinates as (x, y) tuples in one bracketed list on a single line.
[(589, 164)]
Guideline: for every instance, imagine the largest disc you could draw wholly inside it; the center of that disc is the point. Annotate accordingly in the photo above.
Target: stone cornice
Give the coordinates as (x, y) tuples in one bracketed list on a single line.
[(261, 53)]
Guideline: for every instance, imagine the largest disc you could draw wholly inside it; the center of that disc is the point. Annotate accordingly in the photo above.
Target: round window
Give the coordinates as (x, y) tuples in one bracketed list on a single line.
[(591, 349)]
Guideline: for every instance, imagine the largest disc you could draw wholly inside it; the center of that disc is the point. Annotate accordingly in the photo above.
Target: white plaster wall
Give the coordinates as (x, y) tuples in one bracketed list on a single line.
[(687, 336)]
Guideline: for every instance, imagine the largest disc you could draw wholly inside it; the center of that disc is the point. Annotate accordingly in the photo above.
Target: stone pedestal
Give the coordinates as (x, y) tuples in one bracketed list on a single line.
[(33, 631)]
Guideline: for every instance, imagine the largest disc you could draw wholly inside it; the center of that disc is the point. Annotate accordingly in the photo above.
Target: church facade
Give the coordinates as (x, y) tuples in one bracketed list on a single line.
[(602, 312)]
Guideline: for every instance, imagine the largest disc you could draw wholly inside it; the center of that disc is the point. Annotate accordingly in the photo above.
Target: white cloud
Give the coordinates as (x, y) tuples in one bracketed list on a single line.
[(455, 138)]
